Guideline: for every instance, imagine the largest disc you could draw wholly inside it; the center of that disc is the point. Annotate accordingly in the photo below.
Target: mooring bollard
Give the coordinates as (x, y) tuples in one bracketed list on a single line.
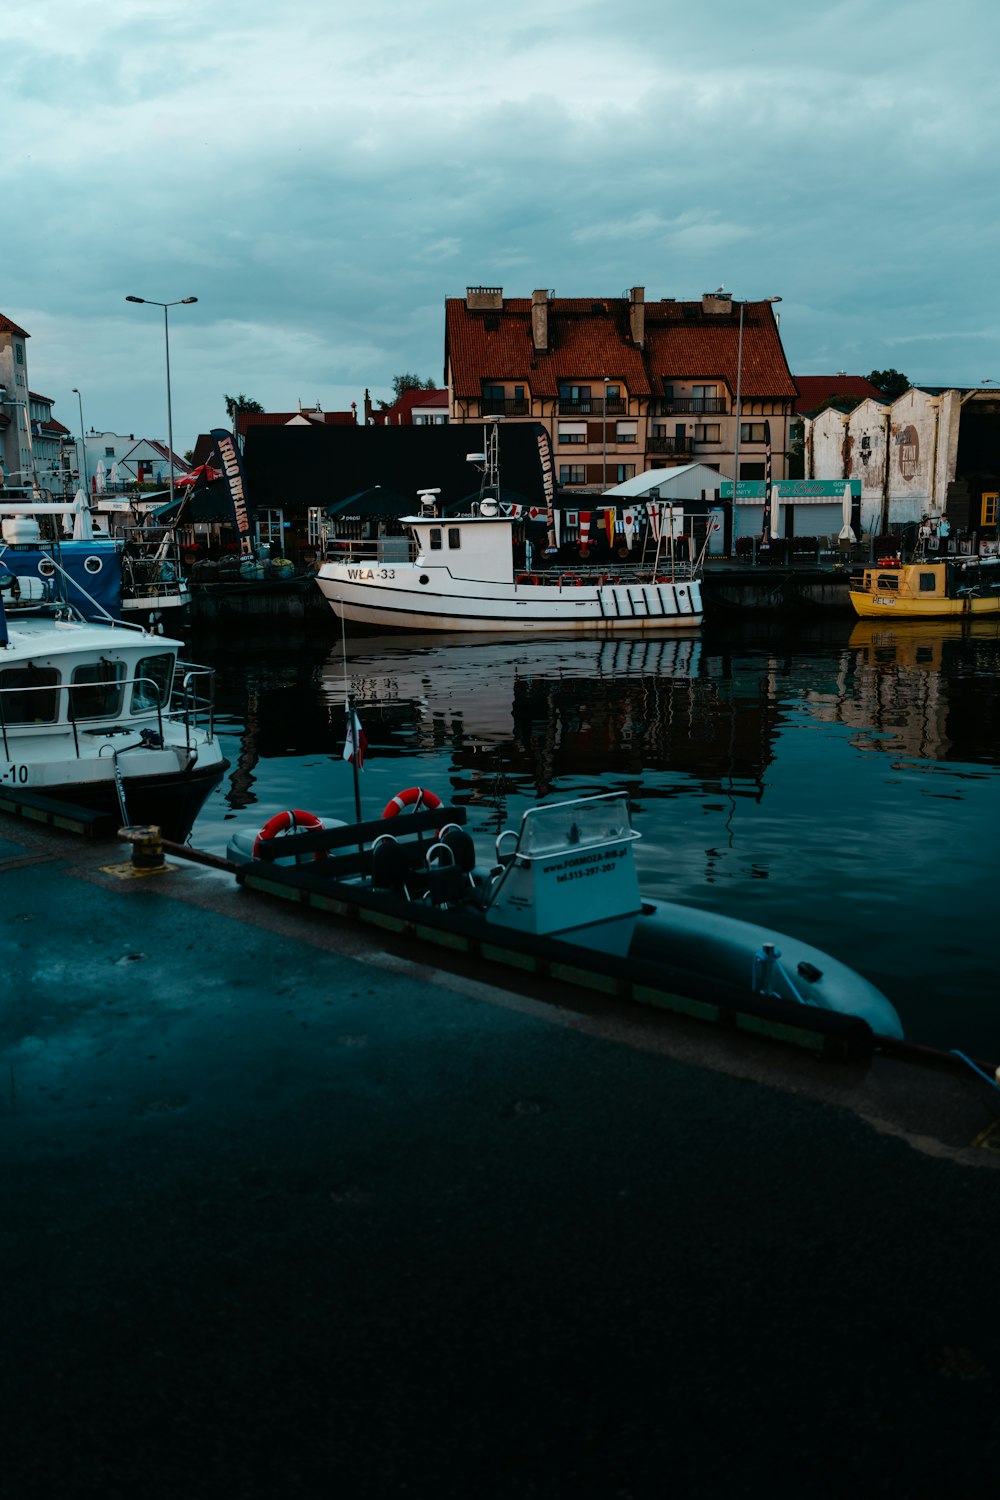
[(147, 847)]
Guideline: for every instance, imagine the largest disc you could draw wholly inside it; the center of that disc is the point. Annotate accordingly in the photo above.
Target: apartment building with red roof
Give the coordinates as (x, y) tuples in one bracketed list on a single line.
[(624, 385), (415, 407)]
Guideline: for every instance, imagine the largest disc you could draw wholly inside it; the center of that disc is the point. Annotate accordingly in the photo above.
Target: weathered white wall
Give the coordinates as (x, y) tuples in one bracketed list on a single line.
[(908, 449)]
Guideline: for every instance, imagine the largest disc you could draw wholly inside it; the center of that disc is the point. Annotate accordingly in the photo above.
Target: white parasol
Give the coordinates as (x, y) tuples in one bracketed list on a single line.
[(775, 511), (83, 526), (113, 477), (847, 531), (99, 477)]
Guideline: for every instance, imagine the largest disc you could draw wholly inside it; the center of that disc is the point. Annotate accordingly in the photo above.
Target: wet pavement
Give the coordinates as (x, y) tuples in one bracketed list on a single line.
[(289, 1215)]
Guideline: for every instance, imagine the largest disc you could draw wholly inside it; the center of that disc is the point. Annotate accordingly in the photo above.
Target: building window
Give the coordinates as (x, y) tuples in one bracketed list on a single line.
[(572, 474), (519, 393), (623, 472), (269, 528), (707, 432), (613, 392), (626, 432), (752, 432), (572, 432), (752, 471), (19, 352), (990, 509), (109, 453), (575, 398)]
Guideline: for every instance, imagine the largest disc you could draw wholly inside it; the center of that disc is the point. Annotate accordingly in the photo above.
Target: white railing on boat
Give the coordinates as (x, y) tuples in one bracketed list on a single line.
[(191, 706)]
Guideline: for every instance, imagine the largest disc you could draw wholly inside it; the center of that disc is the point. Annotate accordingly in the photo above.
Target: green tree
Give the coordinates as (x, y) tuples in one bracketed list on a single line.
[(890, 383), (240, 403)]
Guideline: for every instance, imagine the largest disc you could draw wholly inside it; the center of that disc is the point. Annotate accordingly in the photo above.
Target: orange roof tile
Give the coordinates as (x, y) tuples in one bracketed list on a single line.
[(591, 339), (6, 326)]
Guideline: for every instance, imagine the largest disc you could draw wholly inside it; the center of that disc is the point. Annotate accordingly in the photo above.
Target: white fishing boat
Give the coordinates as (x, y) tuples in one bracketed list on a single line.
[(478, 572), (457, 573), (95, 711)]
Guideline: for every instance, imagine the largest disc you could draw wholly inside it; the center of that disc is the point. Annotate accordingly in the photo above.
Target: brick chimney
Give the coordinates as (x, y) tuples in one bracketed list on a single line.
[(637, 315), (540, 321), (484, 298)]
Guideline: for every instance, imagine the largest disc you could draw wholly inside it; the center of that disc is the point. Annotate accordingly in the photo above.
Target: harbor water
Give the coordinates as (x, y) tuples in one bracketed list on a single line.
[(836, 780)]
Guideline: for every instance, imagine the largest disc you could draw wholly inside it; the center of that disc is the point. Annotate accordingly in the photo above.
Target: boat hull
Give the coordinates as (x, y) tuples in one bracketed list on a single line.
[(885, 606), (171, 797), (609, 608)]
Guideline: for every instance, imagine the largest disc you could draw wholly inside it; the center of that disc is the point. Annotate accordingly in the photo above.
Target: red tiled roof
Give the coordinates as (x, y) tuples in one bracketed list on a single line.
[(6, 326), (245, 419), (815, 389), (589, 340), (401, 411)]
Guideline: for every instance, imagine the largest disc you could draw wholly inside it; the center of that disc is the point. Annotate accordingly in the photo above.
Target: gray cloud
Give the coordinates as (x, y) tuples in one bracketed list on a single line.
[(321, 179)]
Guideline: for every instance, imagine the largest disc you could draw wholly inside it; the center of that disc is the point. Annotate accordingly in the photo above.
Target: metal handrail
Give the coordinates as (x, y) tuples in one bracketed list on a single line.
[(196, 704)]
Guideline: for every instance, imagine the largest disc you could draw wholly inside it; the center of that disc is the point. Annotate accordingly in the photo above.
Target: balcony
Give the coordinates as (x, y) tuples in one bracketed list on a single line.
[(675, 446), (592, 406), (505, 406), (714, 406)]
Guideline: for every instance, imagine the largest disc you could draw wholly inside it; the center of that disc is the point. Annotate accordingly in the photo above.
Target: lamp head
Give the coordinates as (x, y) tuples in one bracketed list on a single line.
[(135, 299)]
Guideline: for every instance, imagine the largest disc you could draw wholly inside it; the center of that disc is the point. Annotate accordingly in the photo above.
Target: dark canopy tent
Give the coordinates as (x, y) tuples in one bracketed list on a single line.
[(315, 465), (379, 500), (198, 507)]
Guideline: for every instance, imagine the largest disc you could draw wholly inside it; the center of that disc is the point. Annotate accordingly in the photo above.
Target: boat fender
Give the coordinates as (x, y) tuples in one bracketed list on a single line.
[(285, 822), (414, 796)]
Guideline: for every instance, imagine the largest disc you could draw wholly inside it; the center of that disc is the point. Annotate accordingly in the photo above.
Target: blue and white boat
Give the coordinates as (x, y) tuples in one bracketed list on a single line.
[(95, 711)]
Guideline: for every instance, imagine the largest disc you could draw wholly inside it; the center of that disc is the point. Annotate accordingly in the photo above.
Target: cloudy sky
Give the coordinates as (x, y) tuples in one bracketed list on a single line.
[(321, 176)]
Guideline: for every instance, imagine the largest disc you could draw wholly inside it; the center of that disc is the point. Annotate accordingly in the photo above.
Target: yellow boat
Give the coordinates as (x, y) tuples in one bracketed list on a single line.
[(928, 589)]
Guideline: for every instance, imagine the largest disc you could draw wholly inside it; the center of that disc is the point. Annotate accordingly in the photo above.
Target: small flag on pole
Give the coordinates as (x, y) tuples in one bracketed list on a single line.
[(355, 744)]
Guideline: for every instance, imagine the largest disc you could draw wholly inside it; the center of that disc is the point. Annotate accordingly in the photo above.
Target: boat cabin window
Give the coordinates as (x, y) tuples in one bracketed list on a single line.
[(435, 536), (28, 695), (887, 581), (154, 677), (928, 583), (454, 536), (97, 691)]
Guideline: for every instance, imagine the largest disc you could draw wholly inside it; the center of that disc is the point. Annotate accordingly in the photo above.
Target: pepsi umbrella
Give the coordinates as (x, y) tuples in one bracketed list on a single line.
[(203, 474)]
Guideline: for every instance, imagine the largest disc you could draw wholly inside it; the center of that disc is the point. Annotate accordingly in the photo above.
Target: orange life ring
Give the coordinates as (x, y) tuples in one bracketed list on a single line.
[(525, 578), (570, 578), (415, 797), (283, 822)]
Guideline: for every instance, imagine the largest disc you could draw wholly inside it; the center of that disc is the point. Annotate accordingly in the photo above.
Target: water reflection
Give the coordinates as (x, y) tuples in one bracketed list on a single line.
[(819, 779)]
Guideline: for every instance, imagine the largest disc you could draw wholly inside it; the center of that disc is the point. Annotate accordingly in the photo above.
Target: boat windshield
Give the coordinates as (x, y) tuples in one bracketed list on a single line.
[(566, 826), (154, 677)]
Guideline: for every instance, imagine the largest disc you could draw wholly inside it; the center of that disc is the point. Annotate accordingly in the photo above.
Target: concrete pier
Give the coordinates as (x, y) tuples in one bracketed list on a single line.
[(290, 1213)]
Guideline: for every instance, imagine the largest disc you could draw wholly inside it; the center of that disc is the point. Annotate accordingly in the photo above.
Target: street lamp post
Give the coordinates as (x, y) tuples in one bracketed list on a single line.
[(604, 426), (739, 377), (180, 302), (83, 447)]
